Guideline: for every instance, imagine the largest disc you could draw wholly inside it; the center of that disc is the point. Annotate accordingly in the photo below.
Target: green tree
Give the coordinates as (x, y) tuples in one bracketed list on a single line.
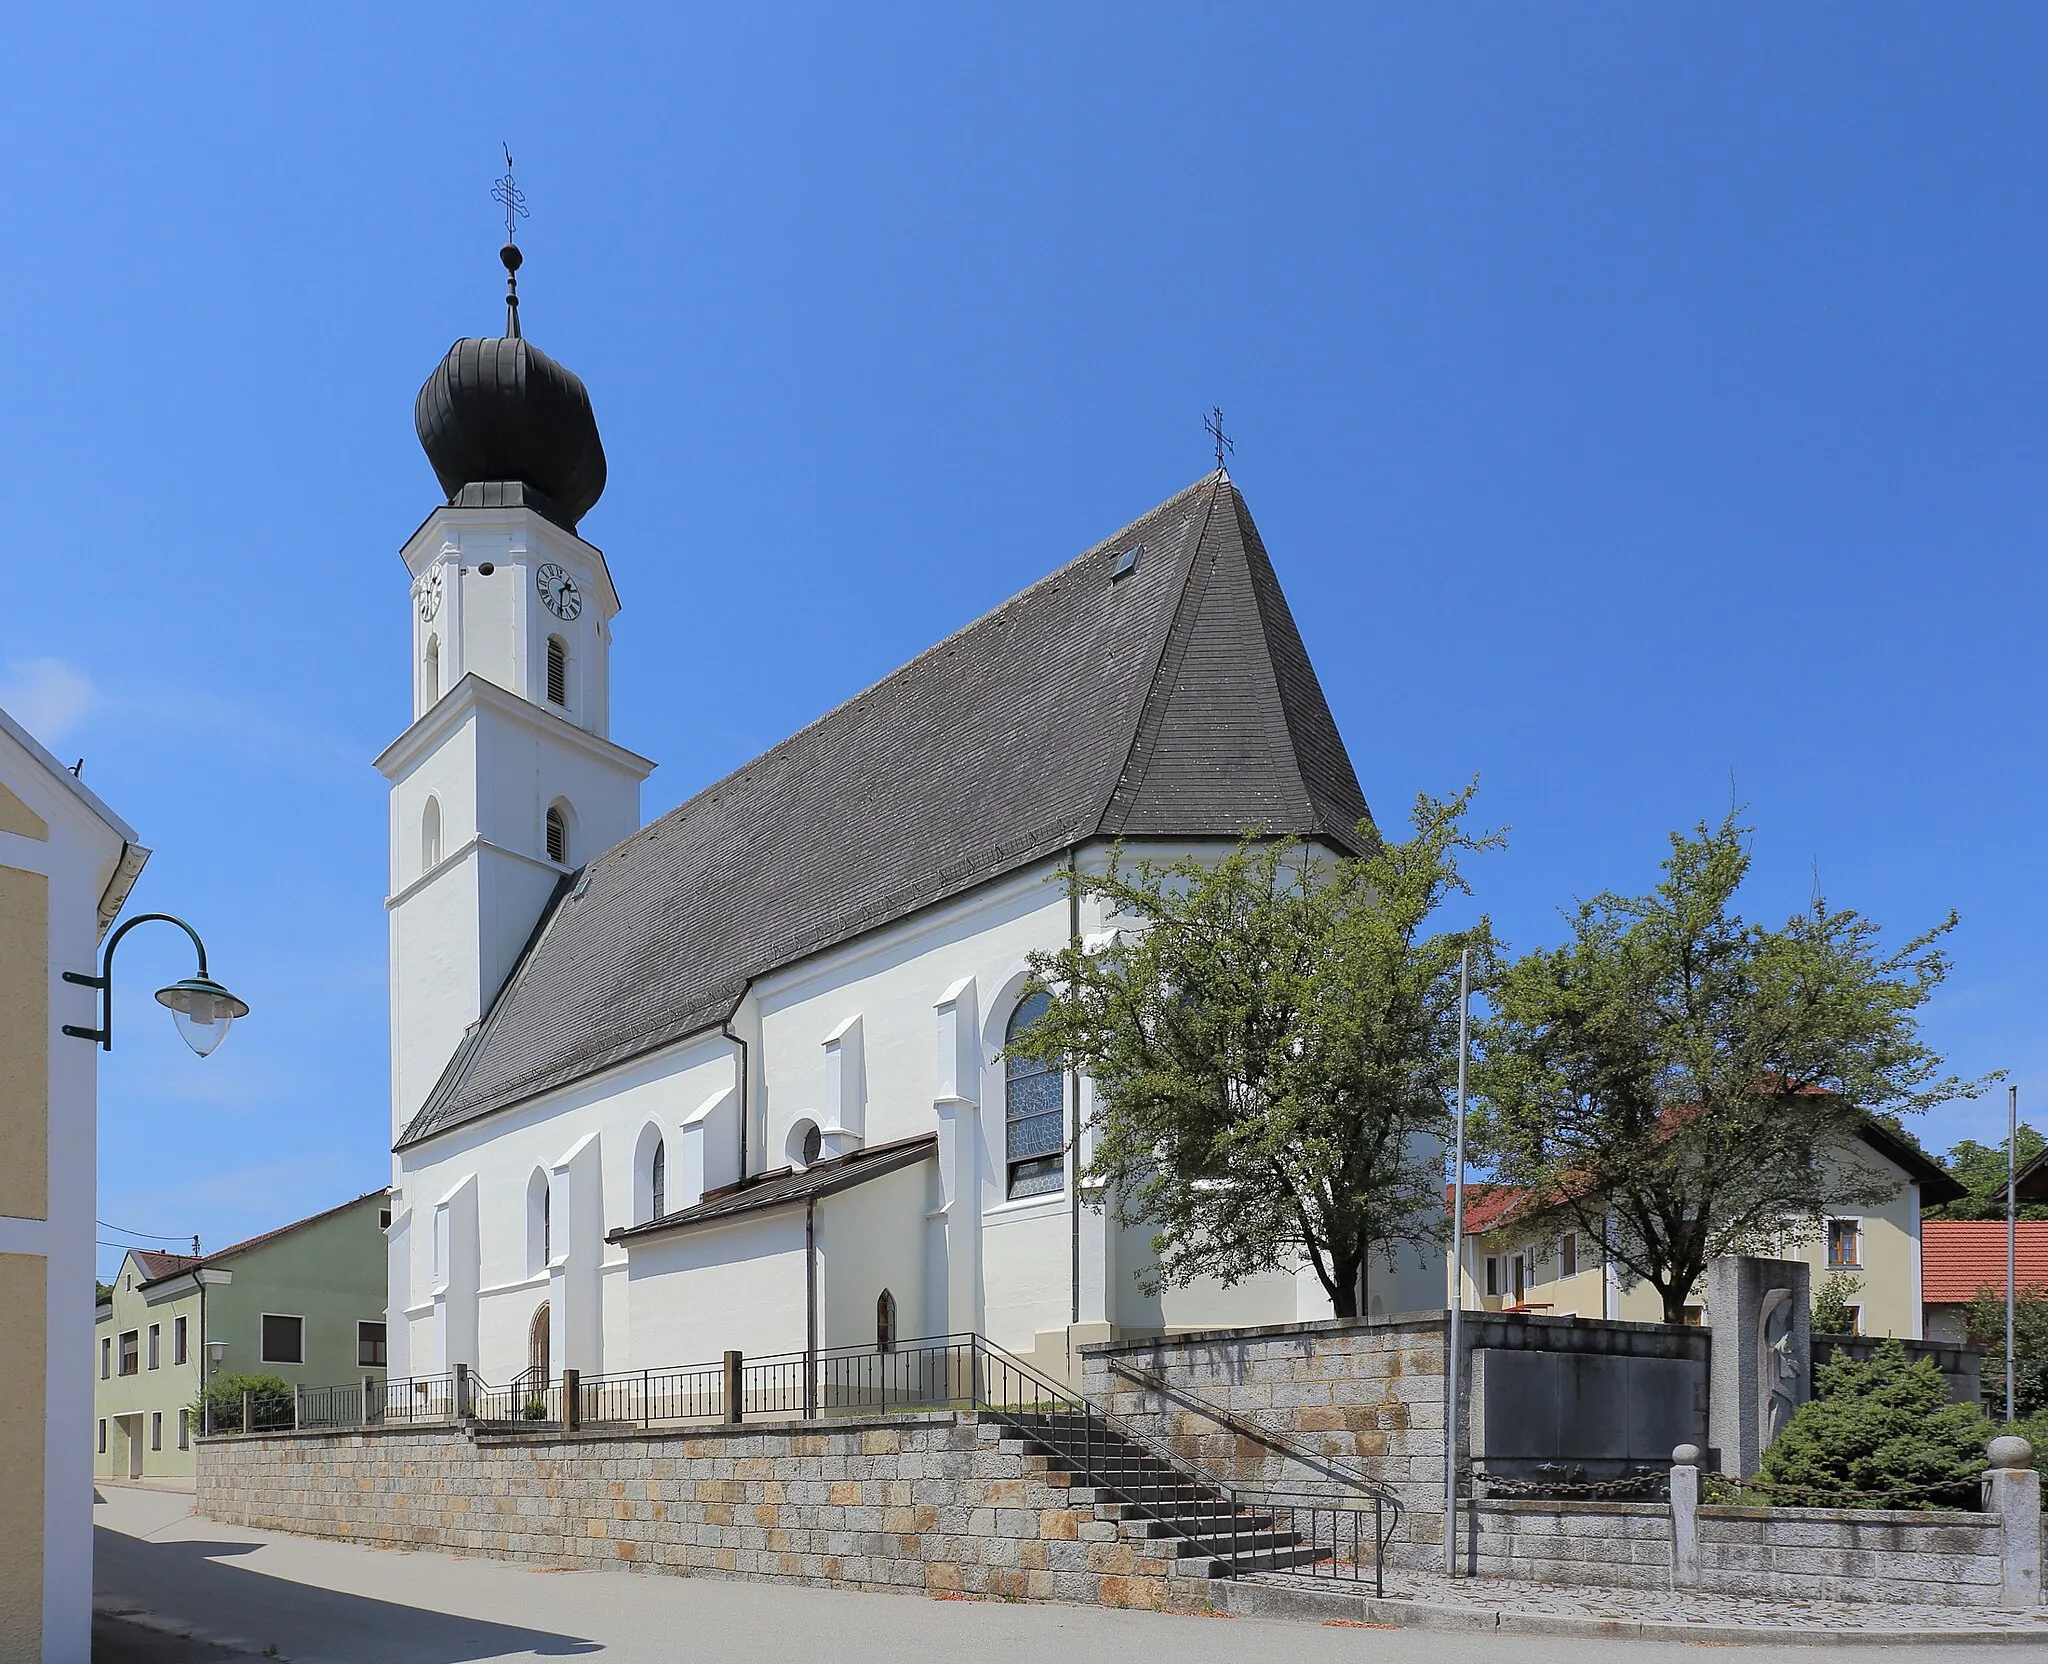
[(1878, 1426), (1272, 1038), (1980, 1169), (1984, 1323), (1680, 1084), (1834, 1307)]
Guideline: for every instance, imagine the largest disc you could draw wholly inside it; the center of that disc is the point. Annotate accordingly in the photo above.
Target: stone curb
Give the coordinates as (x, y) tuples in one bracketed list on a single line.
[(1323, 1605)]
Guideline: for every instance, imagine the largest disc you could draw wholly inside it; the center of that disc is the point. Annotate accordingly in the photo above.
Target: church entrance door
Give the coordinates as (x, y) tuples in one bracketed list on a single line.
[(537, 1344)]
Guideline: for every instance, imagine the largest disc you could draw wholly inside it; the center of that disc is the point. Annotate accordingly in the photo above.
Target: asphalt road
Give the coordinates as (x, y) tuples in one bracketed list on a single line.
[(319, 1602)]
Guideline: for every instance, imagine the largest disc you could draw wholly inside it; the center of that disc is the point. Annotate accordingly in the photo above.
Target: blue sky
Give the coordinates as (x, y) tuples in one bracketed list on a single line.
[(1633, 399)]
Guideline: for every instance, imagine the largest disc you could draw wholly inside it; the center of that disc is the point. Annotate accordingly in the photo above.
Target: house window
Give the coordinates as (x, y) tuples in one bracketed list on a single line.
[(178, 1341), (103, 1438), (1855, 1320), (370, 1345), (155, 1344), (131, 1351), (156, 1429), (184, 1430), (383, 1219), (1493, 1274), (106, 1359), (1034, 1104), (885, 1322), (284, 1339), (558, 837), (1845, 1242), (657, 1180), (558, 671), (1568, 1255), (1694, 1317)]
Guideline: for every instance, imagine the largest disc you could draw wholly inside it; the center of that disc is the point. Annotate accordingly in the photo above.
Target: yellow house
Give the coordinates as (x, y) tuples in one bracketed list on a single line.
[(1563, 1274), (67, 862)]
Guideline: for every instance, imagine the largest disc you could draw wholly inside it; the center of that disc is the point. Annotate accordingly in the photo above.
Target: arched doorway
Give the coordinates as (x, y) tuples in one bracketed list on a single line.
[(537, 1369)]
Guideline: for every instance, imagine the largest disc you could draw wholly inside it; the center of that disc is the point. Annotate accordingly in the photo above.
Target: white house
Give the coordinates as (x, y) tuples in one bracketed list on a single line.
[(736, 1079)]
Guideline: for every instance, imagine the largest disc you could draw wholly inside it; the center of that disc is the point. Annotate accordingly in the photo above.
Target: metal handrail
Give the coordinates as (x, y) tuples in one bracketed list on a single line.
[(1337, 1467)]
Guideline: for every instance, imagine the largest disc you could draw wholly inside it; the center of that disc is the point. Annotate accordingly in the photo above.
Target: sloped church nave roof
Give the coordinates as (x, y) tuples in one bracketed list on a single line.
[(1174, 700)]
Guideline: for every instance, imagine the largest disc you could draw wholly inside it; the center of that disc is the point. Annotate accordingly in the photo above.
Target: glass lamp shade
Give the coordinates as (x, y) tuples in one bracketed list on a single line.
[(204, 1011)]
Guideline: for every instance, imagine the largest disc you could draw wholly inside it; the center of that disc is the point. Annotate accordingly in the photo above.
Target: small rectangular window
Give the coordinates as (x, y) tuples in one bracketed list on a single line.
[(370, 1345), (558, 672), (103, 1438), (178, 1333), (1695, 1317), (131, 1351), (383, 1219), (106, 1359), (1493, 1274), (184, 1430), (284, 1339), (155, 1344), (1845, 1242), (1568, 1255), (156, 1429)]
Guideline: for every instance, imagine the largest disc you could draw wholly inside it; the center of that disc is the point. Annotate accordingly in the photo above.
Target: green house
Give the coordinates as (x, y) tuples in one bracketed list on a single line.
[(304, 1302)]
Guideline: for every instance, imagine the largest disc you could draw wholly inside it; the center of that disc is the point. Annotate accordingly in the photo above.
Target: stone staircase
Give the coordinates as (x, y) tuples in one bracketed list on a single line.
[(1151, 1497)]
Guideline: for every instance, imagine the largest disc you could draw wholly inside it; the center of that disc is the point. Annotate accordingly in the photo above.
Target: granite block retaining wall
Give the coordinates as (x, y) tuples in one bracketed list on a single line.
[(1934, 1559), (928, 1502)]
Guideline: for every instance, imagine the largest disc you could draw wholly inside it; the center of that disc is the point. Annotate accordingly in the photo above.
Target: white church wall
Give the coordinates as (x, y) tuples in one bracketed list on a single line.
[(503, 1151), (871, 1238), (694, 1295)]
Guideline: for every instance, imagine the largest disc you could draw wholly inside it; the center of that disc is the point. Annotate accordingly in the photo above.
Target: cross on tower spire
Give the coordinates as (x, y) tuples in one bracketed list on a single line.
[(507, 192), (1212, 425)]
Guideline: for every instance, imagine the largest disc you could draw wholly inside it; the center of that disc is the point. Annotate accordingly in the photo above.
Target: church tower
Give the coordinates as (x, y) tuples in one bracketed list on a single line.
[(507, 781)]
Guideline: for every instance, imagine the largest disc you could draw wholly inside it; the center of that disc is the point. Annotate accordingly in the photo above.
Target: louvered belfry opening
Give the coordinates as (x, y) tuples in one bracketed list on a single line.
[(558, 838), (558, 672)]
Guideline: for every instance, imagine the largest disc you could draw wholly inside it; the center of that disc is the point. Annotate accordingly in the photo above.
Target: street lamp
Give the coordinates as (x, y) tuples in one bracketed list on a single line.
[(203, 1008)]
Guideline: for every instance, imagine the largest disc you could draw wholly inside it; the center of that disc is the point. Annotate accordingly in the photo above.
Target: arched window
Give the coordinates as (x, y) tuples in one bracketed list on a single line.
[(885, 1322), (1034, 1110), (430, 836), (430, 674), (657, 1181), (547, 1223), (558, 835), (804, 1144), (537, 1223), (558, 671)]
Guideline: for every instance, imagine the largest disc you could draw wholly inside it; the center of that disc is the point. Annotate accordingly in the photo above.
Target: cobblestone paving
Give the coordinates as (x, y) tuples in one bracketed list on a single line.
[(1683, 1606)]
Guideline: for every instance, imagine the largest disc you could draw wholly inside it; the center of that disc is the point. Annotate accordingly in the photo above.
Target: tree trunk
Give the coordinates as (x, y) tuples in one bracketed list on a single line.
[(1674, 1302), (1342, 1287)]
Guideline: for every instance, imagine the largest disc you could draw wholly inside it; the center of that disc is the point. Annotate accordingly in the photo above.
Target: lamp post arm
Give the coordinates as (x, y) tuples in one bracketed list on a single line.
[(104, 982)]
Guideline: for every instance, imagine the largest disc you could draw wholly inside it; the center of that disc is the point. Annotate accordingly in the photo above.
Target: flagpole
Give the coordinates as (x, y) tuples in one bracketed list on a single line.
[(2012, 1147), (1457, 1281)]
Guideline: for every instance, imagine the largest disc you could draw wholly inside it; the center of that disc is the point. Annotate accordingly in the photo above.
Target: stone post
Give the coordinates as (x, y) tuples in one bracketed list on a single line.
[(1685, 1517), (298, 1407), (572, 1400), (2012, 1491), (206, 1415), (733, 1389), (248, 1411), (1758, 1312)]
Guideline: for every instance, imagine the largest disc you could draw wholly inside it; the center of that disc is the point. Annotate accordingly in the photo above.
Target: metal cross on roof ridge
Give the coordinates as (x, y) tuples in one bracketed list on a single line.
[(1212, 425)]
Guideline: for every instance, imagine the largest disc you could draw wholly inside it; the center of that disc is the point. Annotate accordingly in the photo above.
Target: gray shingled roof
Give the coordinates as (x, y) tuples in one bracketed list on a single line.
[(1176, 701), (787, 1185)]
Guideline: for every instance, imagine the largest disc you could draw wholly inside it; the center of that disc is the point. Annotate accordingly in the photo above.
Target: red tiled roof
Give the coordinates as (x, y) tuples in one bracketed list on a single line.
[(155, 1264), (1960, 1256), (1485, 1204)]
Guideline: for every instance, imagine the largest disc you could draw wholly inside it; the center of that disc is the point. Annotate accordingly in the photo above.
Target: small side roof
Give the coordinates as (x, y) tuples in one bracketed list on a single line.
[(785, 1186), (64, 777)]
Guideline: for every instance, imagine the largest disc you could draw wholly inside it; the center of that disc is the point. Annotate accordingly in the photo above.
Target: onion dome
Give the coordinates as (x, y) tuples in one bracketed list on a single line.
[(504, 425)]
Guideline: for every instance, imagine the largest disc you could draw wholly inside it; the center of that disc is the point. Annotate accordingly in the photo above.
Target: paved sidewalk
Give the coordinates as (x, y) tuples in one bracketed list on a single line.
[(320, 1602)]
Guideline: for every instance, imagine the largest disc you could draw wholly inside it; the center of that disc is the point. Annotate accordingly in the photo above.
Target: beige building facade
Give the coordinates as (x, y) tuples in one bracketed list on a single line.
[(1563, 1274), (66, 865)]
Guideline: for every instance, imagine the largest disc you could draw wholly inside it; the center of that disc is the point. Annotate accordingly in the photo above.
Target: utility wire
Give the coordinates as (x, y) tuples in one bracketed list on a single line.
[(164, 1236)]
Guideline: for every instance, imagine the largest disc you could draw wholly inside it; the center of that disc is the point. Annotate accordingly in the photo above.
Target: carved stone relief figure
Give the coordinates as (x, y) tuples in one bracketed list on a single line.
[(1776, 1367)]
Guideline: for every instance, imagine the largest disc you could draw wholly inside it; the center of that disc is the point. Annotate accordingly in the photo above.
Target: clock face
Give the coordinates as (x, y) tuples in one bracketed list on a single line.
[(430, 595), (558, 591)]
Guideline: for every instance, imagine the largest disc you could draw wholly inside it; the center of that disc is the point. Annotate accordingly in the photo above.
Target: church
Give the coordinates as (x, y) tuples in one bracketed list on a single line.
[(736, 1078)]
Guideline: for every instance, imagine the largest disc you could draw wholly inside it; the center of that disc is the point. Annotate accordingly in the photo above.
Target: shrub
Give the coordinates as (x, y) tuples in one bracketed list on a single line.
[(271, 1402), (1878, 1426), (1984, 1323)]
